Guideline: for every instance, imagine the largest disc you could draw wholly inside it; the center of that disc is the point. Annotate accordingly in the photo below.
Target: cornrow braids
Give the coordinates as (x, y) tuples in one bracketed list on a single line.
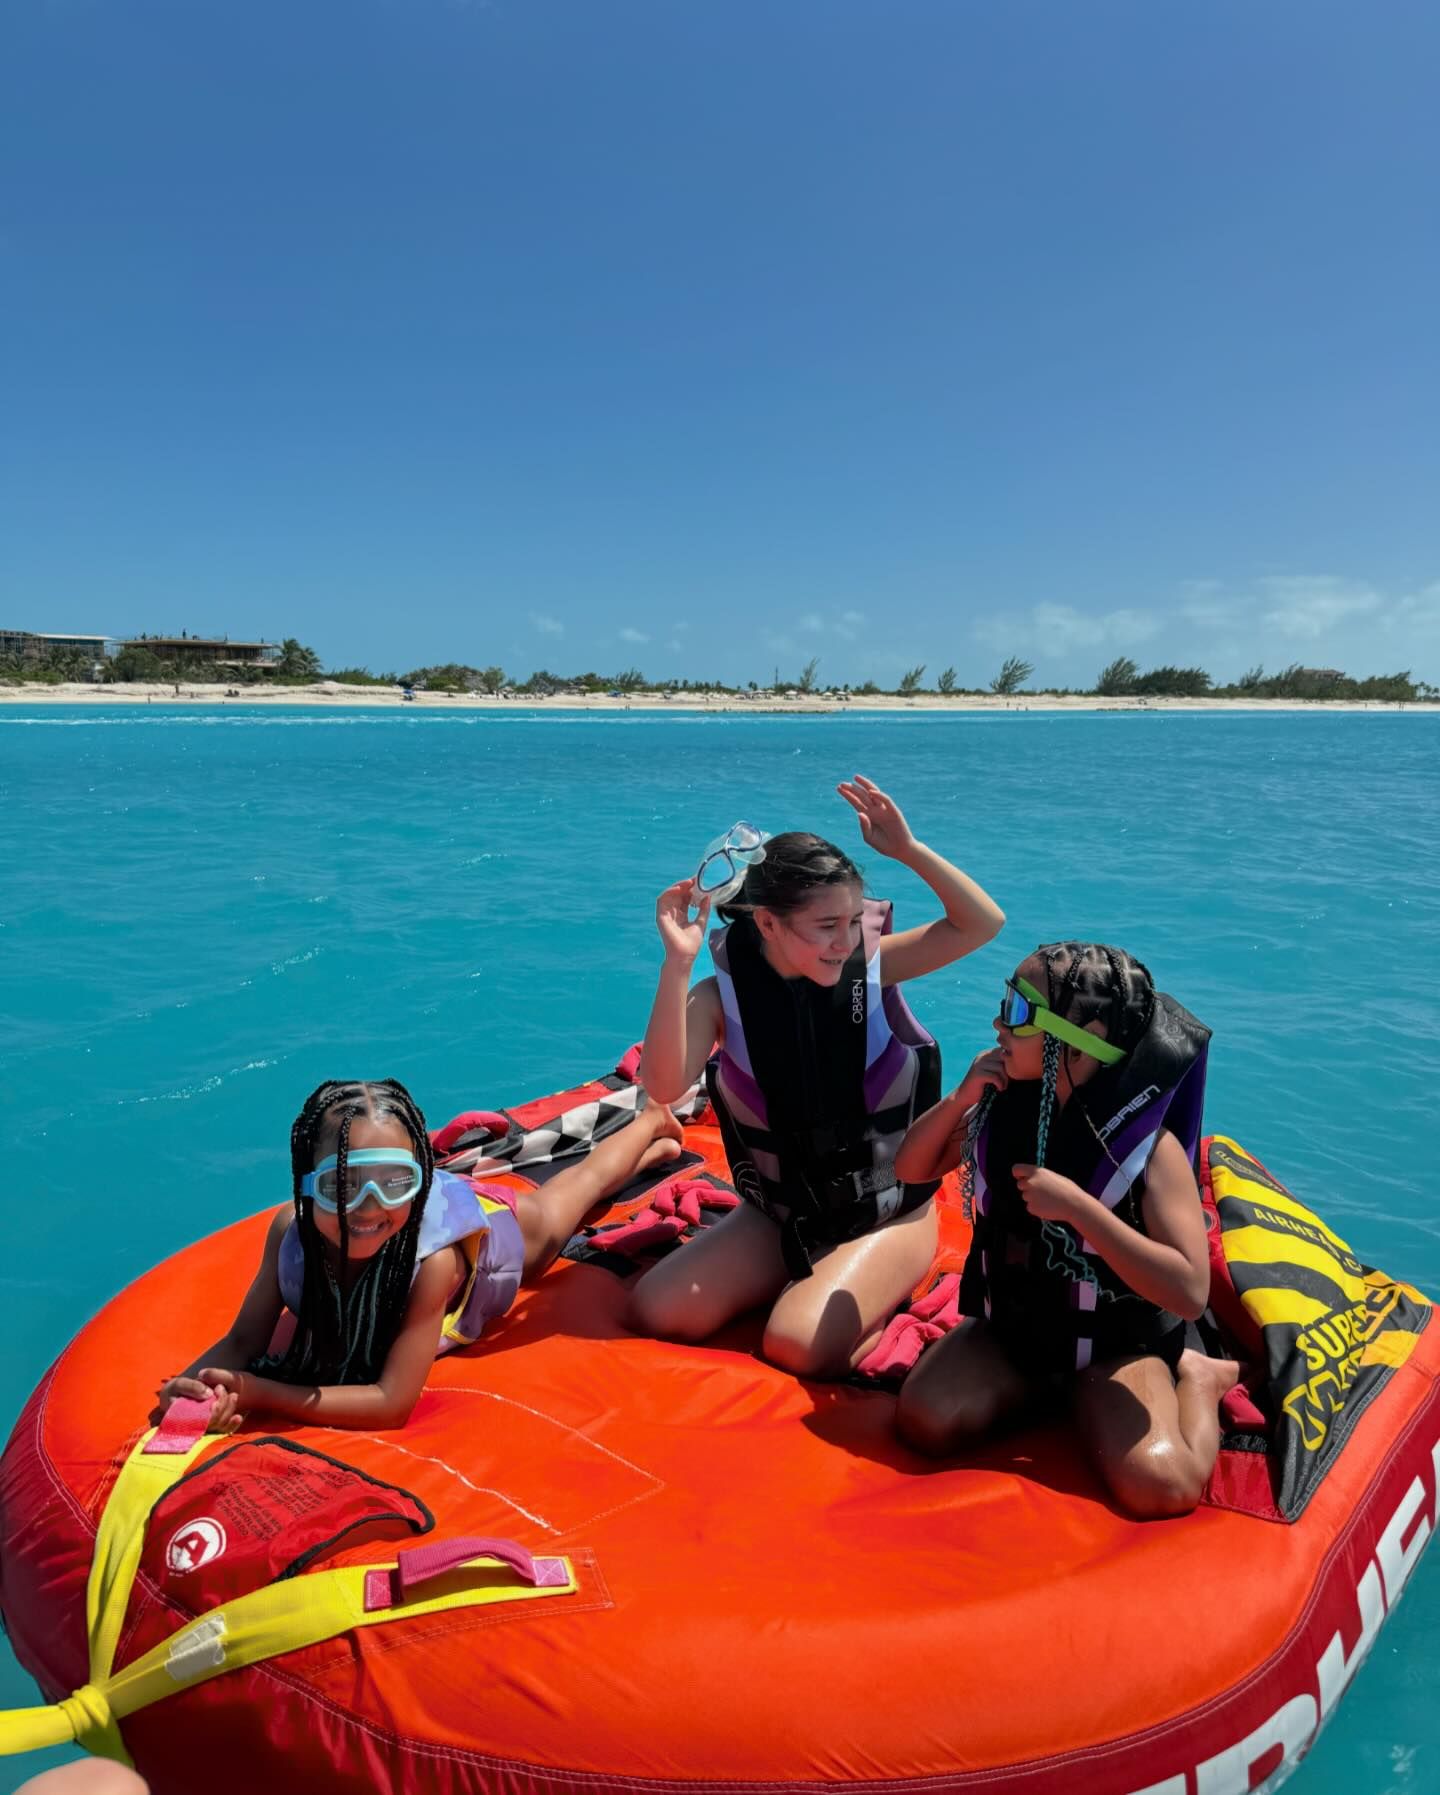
[(343, 1337), (1090, 982)]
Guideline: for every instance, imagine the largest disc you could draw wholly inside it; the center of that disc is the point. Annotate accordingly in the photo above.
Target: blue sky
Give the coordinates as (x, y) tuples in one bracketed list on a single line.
[(708, 337)]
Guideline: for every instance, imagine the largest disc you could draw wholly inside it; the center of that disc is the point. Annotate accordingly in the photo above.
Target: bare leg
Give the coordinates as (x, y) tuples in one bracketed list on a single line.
[(822, 1324), (732, 1267), (92, 1777), (961, 1388), (548, 1217), (1153, 1438)]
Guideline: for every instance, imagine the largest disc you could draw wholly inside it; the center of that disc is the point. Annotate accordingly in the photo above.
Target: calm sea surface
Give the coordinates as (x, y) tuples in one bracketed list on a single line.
[(203, 913)]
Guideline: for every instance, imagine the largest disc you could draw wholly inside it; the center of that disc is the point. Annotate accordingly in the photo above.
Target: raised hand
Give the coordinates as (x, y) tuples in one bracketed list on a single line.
[(882, 822), (682, 934)]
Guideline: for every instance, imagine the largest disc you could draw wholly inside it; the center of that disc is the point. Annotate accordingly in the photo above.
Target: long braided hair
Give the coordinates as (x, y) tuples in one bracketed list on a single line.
[(343, 1337)]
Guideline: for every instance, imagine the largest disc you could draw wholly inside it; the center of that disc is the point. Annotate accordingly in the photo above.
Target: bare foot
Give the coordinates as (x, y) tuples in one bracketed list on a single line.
[(1208, 1377), (659, 1153), (662, 1119)]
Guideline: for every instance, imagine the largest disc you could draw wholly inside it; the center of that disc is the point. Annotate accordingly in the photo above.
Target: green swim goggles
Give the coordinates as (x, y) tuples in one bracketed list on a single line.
[(391, 1177), (1023, 1011)]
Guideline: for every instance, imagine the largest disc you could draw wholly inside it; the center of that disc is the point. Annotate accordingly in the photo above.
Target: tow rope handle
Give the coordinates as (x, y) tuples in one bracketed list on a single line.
[(415, 1565)]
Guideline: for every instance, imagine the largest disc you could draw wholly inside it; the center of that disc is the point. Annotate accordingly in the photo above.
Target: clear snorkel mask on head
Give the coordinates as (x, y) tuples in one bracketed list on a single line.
[(726, 861)]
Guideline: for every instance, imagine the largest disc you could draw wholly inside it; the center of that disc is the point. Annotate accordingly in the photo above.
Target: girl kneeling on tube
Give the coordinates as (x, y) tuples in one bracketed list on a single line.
[(1089, 1256), (818, 1070), (383, 1260)]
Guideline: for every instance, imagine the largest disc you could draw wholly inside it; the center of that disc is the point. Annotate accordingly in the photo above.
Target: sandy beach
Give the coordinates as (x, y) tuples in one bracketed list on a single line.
[(328, 692)]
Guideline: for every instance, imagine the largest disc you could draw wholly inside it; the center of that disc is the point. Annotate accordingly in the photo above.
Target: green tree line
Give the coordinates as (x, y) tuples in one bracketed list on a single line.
[(298, 664)]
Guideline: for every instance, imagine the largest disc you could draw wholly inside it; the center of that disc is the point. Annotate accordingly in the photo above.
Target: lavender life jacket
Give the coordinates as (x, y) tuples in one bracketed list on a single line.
[(815, 1087), (457, 1213), (1043, 1280)]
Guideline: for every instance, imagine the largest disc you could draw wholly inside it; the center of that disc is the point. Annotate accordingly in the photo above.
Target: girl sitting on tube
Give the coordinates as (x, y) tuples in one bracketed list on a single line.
[(1089, 1264), (816, 1069)]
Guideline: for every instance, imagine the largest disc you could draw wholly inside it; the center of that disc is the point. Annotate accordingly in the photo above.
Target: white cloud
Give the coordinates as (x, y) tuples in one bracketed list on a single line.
[(1349, 623), (1057, 629), (547, 626), (847, 626), (1303, 608), (1206, 604), (1418, 612), (633, 635)]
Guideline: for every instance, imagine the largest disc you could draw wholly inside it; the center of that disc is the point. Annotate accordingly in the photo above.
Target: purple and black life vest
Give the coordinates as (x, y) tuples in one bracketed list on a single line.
[(814, 1088), (1041, 1285)]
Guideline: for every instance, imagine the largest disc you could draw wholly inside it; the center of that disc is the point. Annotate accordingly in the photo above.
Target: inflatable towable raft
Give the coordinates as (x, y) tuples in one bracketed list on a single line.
[(592, 1562)]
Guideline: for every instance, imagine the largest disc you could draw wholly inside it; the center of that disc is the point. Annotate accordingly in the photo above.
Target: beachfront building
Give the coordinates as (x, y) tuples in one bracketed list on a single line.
[(207, 651), (37, 645)]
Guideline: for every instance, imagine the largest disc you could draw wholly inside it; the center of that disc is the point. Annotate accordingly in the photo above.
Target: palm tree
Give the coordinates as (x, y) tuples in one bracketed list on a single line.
[(297, 662), (1118, 678), (1011, 676)]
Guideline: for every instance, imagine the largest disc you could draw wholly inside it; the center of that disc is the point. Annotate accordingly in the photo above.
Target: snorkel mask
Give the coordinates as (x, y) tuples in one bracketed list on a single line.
[(726, 861), (1024, 1012)]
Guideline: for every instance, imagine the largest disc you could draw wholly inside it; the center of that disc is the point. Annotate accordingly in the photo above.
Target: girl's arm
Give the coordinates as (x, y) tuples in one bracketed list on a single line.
[(1170, 1266), (972, 917), (935, 1143), (382, 1405), (246, 1338), (684, 1025)]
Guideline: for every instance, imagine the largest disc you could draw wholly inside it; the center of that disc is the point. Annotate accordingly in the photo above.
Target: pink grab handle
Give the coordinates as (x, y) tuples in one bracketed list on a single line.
[(419, 1564), (444, 1139), (183, 1424)]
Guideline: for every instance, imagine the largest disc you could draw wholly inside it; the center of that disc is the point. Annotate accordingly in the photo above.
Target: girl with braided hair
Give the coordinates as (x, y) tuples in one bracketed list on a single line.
[(384, 1259), (1082, 1129)]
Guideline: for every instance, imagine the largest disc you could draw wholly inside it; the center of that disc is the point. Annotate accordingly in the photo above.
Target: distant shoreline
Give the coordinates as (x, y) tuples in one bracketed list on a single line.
[(327, 693)]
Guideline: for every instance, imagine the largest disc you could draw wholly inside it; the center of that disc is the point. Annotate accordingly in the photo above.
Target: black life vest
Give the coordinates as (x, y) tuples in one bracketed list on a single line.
[(815, 1087), (1040, 1283)]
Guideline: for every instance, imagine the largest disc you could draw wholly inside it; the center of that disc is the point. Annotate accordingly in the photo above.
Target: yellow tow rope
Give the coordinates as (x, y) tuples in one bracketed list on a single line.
[(265, 1624)]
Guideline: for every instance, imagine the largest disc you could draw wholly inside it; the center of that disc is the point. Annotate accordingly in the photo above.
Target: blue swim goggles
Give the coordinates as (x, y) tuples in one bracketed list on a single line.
[(1024, 1012), (396, 1180)]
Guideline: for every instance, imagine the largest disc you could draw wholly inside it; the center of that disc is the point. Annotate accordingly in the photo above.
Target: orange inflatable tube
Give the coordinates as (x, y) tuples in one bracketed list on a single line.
[(769, 1593)]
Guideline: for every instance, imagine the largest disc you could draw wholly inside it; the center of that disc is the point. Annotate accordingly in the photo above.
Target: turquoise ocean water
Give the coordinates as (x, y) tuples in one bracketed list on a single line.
[(203, 913)]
